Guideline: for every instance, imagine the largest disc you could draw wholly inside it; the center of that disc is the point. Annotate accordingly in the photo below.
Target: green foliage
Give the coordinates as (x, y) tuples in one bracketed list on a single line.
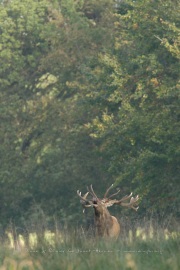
[(139, 126), (89, 94), (21, 43)]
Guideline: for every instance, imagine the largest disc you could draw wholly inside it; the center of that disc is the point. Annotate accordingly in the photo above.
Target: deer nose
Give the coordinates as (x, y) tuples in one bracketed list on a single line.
[(94, 201)]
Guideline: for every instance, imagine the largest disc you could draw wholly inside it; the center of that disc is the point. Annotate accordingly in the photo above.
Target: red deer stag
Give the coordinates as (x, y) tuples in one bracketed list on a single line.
[(106, 225)]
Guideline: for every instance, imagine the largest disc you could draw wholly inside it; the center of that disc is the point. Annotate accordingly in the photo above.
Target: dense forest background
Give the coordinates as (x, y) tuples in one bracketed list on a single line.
[(89, 94)]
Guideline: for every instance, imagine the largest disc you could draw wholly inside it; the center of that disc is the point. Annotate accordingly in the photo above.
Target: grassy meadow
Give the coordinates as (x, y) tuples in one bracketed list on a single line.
[(149, 246)]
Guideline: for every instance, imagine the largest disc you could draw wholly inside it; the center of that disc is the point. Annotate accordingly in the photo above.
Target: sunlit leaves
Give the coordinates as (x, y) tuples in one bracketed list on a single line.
[(143, 72), (89, 91)]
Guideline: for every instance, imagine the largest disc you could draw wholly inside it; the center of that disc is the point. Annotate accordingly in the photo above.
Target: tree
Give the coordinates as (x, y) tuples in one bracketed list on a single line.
[(138, 129), (44, 74), (89, 94)]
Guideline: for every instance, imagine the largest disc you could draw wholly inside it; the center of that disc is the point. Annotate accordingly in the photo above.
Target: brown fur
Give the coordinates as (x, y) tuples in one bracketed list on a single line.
[(106, 225)]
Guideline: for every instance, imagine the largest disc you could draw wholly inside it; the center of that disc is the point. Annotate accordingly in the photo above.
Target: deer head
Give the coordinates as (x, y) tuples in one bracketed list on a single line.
[(106, 225)]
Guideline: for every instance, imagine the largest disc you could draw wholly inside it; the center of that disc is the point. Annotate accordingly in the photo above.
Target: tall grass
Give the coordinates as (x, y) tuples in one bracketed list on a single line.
[(149, 246)]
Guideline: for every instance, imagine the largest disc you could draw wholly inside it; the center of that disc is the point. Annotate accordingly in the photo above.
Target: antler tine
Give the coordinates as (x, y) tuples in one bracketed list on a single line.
[(85, 203), (125, 198), (106, 193), (94, 194), (114, 194), (90, 192), (83, 197), (131, 203)]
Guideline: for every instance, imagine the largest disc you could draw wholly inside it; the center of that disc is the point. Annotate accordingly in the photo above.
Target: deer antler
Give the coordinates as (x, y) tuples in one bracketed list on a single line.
[(83, 198), (106, 225), (84, 201), (91, 191), (108, 202), (114, 194), (132, 203), (125, 198), (107, 191)]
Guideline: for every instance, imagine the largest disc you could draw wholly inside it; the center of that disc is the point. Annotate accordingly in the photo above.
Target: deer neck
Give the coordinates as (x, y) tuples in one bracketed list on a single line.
[(103, 221)]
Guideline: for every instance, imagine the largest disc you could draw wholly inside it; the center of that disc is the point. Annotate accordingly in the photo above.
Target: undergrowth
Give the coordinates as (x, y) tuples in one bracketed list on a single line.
[(148, 247)]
